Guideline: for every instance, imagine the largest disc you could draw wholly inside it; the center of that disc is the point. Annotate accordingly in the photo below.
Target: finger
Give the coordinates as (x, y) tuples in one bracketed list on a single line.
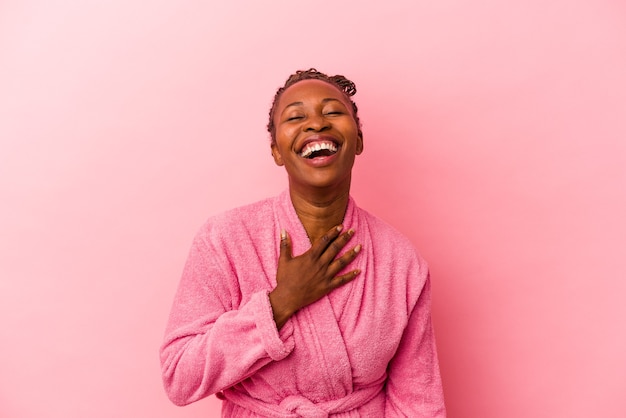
[(339, 281), (336, 246), (285, 245), (325, 240), (341, 262)]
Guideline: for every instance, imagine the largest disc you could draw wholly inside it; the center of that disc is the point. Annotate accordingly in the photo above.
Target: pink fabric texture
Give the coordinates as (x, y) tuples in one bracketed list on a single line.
[(366, 349)]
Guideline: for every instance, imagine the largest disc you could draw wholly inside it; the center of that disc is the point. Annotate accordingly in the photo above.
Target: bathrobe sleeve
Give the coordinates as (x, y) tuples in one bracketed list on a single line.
[(216, 336), (413, 385)]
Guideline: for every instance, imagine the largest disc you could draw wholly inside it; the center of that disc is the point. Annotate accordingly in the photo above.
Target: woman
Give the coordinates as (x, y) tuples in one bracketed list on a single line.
[(304, 305)]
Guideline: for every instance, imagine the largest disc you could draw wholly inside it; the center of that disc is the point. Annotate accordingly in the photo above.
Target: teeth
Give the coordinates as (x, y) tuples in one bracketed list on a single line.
[(311, 148)]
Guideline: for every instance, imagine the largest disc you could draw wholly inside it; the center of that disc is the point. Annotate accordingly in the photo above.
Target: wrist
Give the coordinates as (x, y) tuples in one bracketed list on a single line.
[(280, 307)]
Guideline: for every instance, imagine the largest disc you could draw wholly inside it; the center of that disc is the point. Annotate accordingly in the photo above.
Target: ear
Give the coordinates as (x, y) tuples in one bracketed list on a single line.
[(359, 143), (278, 159)]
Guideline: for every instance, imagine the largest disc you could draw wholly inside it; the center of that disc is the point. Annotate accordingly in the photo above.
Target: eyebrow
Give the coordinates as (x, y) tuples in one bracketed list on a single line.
[(326, 100)]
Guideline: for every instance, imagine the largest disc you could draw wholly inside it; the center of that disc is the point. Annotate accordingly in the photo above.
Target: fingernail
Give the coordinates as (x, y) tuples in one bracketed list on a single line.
[(351, 231), (357, 248), (283, 234), (339, 228)]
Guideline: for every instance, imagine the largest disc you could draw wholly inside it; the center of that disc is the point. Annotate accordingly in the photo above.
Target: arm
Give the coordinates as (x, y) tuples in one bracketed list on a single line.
[(213, 341), (413, 385), (210, 344)]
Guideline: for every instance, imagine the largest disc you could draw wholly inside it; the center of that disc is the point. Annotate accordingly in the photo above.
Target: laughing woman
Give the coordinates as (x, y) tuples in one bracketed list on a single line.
[(305, 305)]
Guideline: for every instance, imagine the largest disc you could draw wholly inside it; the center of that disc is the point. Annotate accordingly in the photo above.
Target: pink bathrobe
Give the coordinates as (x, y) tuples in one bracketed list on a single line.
[(367, 349)]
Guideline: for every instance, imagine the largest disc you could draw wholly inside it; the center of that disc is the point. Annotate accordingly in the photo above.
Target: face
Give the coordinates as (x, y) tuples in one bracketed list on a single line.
[(317, 137)]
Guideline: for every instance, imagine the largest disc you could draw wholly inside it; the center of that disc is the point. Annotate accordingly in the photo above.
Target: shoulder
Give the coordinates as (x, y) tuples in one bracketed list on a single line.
[(388, 237), (236, 222), (394, 254), (242, 215)]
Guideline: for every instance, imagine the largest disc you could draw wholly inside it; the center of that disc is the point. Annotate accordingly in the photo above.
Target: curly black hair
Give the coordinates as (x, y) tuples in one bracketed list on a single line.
[(342, 83)]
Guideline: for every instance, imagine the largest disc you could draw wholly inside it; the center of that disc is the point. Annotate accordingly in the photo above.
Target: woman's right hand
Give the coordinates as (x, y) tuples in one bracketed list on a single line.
[(306, 278)]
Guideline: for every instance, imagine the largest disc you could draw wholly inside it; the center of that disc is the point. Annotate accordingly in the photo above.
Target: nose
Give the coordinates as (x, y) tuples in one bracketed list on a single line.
[(316, 123)]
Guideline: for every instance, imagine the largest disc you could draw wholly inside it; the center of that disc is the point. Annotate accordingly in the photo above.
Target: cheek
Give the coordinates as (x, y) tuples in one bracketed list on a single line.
[(285, 137), (352, 132)]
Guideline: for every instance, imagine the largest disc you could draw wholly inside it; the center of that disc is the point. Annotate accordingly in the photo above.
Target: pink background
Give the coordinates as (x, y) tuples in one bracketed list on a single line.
[(495, 138)]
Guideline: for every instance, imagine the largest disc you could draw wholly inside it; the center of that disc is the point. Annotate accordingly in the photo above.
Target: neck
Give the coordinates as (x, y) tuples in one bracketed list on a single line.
[(320, 210)]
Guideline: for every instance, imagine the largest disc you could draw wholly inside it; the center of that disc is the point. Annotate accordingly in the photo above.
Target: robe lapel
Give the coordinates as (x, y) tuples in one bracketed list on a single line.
[(322, 341)]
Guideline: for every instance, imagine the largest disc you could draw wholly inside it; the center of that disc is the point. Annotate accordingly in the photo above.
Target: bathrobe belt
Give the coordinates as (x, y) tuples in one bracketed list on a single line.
[(296, 406)]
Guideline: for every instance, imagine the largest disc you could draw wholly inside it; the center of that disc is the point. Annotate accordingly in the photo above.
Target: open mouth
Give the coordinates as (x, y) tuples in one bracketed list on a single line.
[(318, 149)]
